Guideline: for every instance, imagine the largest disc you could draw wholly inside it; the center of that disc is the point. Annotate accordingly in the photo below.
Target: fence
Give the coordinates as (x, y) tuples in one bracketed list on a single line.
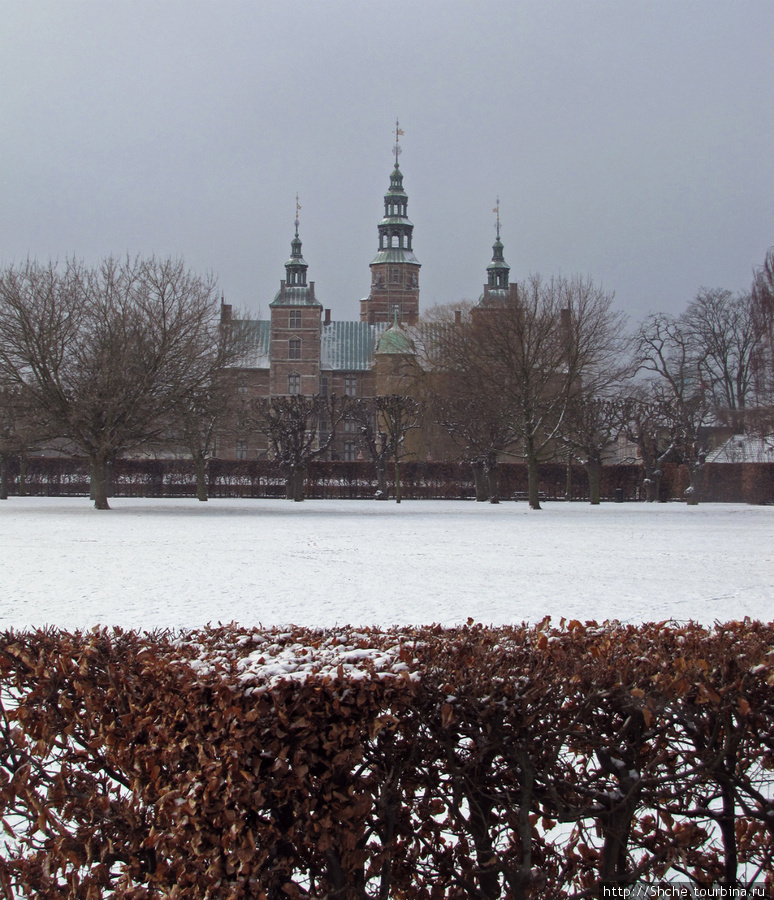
[(63, 477)]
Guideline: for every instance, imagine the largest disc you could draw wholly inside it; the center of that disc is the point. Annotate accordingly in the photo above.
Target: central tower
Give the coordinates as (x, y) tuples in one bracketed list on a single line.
[(395, 269)]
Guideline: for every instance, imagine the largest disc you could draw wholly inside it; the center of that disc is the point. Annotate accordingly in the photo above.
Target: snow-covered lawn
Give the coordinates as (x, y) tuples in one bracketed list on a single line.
[(180, 564)]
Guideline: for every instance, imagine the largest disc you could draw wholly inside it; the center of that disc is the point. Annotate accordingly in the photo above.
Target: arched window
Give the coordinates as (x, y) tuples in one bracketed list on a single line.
[(294, 383), (395, 241), (294, 348)]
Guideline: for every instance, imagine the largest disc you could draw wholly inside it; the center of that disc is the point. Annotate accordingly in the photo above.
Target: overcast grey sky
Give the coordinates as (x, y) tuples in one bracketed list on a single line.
[(629, 141)]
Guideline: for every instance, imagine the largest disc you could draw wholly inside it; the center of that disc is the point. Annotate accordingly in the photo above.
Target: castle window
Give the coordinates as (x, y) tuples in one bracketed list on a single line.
[(350, 386), (241, 449), (396, 275), (324, 386), (294, 348), (395, 241), (294, 383), (350, 448), (295, 318), (350, 425)]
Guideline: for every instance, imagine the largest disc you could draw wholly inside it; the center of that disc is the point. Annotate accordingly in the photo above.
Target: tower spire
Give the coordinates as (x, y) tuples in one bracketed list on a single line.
[(398, 133), (295, 289), (394, 269), (498, 270)]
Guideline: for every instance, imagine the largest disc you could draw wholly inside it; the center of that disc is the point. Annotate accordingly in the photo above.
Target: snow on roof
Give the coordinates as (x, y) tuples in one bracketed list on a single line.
[(744, 448)]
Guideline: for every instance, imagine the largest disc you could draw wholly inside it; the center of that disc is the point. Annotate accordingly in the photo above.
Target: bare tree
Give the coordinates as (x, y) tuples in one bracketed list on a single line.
[(210, 401), (666, 350), (723, 339), (531, 354), (107, 354), (292, 427)]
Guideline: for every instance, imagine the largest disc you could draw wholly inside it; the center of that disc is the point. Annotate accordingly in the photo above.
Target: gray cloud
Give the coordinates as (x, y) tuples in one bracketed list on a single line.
[(628, 141)]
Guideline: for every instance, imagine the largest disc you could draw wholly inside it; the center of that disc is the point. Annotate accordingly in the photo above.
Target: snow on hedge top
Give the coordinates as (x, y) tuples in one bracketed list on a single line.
[(331, 659), (263, 659)]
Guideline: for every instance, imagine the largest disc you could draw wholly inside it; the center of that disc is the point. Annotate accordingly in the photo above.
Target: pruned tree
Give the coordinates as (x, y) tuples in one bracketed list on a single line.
[(373, 439), (21, 430), (292, 427), (384, 423), (646, 420), (480, 425), (665, 350), (763, 362), (398, 414), (107, 354), (590, 427)]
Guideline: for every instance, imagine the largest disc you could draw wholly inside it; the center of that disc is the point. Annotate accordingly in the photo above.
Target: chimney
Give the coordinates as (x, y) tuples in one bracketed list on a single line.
[(458, 317), (226, 310), (327, 317)]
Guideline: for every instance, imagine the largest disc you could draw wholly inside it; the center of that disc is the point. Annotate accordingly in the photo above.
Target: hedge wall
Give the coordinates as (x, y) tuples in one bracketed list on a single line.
[(474, 762)]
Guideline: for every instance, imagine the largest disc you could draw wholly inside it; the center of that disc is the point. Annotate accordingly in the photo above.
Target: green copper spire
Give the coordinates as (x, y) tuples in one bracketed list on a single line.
[(497, 270)]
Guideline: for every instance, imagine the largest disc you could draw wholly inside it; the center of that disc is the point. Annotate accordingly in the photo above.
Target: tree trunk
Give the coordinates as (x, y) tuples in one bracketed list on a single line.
[(652, 484), (298, 478), (692, 492), (3, 476), (200, 466), (397, 481), (594, 472), (479, 480), (534, 484), (568, 483), (493, 478), (382, 491), (727, 822), (22, 474), (98, 481)]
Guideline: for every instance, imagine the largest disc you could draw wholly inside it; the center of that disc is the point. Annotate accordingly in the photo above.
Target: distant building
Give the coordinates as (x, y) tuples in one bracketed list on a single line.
[(301, 350)]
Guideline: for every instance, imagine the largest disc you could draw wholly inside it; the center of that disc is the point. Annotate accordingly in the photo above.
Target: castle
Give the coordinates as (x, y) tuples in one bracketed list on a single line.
[(301, 350)]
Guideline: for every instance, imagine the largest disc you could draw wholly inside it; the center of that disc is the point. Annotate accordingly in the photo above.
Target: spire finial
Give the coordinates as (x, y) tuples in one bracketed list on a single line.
[(497, 211), (398, 133), (298, 209)]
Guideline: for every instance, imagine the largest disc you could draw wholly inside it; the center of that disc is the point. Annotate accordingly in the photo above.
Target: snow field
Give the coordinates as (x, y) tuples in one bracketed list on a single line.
[(182, 564)]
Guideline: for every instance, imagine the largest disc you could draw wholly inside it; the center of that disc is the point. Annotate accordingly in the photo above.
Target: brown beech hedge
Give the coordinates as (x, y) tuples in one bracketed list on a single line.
[(477, 762)]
